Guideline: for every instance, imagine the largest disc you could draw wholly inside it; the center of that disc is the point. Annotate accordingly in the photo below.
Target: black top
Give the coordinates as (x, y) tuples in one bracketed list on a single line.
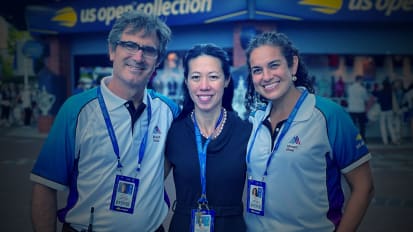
[(385, 99), (225, 173)]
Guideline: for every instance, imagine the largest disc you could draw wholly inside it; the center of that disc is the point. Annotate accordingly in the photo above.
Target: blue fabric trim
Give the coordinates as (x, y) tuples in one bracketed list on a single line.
[(171, 104), (62, 136), (347, 147)]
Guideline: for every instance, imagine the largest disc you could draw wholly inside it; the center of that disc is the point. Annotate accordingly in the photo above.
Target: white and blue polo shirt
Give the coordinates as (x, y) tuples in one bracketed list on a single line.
[(78, 155), (303, 185)]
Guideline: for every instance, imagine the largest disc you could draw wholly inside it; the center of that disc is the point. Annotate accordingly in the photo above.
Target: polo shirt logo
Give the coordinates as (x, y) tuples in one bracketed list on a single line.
[(293, 144), (156, 130), (295, 140), (156, 134), (359, 141)]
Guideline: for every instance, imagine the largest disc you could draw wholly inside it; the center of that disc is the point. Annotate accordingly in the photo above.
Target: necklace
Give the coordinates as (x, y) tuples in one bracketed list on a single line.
[(217, 130)]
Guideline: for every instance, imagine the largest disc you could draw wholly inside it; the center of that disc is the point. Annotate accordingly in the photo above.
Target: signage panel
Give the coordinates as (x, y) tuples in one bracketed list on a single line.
[(335, 10), (89, 16), (99, 15)]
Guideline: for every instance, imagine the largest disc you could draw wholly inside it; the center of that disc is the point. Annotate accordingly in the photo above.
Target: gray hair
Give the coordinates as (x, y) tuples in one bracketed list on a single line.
[(136, 21)]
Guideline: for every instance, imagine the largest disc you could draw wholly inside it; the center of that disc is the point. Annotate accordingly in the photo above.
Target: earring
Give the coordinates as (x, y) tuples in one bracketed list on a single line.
[(294, 78)]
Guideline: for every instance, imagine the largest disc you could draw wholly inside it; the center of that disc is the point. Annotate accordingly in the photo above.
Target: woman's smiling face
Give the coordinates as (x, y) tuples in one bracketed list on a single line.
[(271, 76), (206, 82)]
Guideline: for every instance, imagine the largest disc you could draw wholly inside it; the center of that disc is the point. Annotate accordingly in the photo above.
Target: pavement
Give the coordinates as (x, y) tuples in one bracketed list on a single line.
[(22, 132)]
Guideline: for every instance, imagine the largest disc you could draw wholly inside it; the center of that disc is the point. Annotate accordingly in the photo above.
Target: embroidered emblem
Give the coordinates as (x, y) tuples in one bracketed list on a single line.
[(295, 140), (156, 130), (293, 143), (156, 134)]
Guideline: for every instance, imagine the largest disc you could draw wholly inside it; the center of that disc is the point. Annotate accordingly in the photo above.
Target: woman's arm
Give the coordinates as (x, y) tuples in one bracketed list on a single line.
[(362, 190)]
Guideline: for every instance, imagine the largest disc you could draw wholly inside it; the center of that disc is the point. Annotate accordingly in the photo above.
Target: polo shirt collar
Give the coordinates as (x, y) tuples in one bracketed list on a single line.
[(303, 113), (113, 101), (306, 109)]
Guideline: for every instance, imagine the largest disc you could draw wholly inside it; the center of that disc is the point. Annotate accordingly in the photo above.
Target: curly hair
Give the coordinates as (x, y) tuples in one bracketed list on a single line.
[(289, 51)]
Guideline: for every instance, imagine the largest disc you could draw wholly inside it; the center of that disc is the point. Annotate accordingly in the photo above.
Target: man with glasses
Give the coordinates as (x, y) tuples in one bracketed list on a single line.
[(108, 137)]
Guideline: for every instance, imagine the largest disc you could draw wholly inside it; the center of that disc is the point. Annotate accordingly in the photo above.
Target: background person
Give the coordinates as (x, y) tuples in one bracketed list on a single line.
[(398, 107), (408, 115), (300, 147), (357, 101), (384, 97), (26, 98), (208, 134), (5, 103), (108, 135)]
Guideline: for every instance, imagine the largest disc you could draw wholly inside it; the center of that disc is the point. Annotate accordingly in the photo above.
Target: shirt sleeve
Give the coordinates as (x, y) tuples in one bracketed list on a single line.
[(55, 162), (348, 147)]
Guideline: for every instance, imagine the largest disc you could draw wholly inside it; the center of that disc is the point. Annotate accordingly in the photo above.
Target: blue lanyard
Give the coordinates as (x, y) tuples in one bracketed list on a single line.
[(281, 135), (202, 151), (112, 134)]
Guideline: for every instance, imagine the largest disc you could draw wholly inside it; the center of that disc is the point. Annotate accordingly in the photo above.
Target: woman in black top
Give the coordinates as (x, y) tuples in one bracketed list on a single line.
[(207, 123)]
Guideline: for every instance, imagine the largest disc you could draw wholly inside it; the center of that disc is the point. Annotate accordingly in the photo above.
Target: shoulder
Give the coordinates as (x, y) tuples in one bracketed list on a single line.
[(179, 127), (234, 118), (258, 114), (334, 114), (76, 102), (180, 122), (161, 99), (327, 106)]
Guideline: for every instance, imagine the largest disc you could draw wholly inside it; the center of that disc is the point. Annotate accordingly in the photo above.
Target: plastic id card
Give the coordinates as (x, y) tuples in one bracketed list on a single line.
[(202, 220), (256, 197), (124, 194)]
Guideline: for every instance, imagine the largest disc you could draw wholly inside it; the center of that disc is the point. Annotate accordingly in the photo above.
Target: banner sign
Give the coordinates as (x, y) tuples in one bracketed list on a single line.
[(99, 15), (89, 16), (336, 10)]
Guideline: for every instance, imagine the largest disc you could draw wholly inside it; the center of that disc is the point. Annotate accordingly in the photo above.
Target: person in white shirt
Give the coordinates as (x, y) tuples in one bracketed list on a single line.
[(357, 100), (301, 148), (110, 136)]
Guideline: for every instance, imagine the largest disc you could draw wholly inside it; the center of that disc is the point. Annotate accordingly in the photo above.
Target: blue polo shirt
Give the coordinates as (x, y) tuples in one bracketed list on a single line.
[(303, 185), (78, 156)]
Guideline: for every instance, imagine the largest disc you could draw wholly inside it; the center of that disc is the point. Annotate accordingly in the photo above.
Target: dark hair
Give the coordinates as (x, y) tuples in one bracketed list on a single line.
[(135, 21), (214, 51), (386, 85), (288, 50)]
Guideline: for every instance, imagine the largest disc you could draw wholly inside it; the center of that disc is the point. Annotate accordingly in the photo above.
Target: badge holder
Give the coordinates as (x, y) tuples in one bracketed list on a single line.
[(256, 197), (202, 218), (124, 194)]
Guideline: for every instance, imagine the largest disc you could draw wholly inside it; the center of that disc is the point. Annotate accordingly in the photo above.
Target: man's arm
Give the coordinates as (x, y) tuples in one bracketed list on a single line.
[(362, 190), (167, 168), (44, 207)]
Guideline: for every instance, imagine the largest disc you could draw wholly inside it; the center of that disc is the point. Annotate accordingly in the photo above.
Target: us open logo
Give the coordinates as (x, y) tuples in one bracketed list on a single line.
[(322, 6)]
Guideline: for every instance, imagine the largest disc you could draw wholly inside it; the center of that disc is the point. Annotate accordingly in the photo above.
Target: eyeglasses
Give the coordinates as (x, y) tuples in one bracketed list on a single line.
[(133, 48)]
